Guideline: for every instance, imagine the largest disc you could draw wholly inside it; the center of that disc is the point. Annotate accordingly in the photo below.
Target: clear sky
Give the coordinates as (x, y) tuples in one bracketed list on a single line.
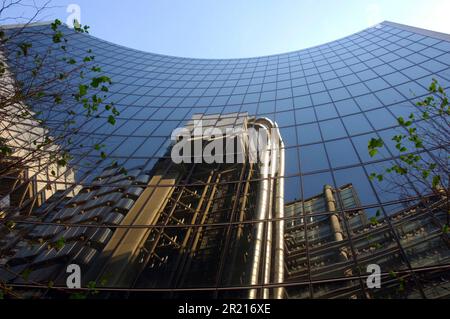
[(243, 28)]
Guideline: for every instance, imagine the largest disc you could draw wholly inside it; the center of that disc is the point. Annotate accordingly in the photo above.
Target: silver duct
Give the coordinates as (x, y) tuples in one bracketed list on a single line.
[(271, 169), (279, 240)]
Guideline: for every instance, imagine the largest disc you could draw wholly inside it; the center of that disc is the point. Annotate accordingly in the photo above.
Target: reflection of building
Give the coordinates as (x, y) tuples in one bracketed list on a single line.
[(328, 101), (203, 239), (28, 174), (333, 247)]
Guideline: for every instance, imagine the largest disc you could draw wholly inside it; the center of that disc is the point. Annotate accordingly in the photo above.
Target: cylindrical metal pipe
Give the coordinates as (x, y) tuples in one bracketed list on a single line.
[(271, 179), (334, 220), (279, 240), (261, 213), (272, 204)]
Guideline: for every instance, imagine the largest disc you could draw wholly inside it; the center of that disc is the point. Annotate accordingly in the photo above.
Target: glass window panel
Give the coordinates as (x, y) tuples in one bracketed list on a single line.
[(333, 84), (412, 90), (313, 158), (358, 89), (300, 90), (320, 98), (285, 93), (341, 153), (289, 136), (306, 115), (361, 144), (268, 96), (166, 128), (368, 102), (309, 133), (347, 107), (302, 101), (396, 78), (388, 189), (316, 87), (339, 94), (129, 127), (377, 84), (381, 118), (350, 79), (150, 147), (415, 72), (313, 185), (284, 105), (325, 112), (129, 146), (292, 161), (366, 75), (434, 66), (266, 107), (332, 129), (356, 124), (361, 185), (383, 69), (285, 118)]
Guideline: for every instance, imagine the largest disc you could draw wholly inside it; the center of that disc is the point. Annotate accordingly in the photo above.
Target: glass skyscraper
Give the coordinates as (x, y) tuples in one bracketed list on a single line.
[(327, 102)]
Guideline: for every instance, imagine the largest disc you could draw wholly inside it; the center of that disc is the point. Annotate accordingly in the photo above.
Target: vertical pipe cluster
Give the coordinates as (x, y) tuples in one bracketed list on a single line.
[(270, 206)]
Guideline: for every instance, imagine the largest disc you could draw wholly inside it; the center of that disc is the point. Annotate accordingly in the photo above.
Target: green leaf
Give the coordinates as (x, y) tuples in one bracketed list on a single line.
[(78, 296), (54, 26), (60, 243), (24, 47), (111, 120), (82, 90), (373, 152), (445, 229), (374, 144), (433, 86), (26, 274), (436, 181), (374, 221)]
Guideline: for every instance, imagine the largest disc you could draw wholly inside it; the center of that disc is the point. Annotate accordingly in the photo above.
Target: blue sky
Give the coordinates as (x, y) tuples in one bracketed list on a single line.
[(241, 28)]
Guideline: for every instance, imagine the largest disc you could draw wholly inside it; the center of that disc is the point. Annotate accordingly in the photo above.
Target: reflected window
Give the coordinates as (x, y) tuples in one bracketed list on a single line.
[(377, 84), (347, 107), (320, 98), (303, 116), (339, 94), (289, 135), (381, 118), (325, 112), (332, 129), (300, 90), (285, 118), (361, 185), (308, 134), (341, 153), (129, 146), (313, 158), (356, 124), (313, 185), (302, 101), (266, 107), (150, 147), (358, 89), (368, 102)]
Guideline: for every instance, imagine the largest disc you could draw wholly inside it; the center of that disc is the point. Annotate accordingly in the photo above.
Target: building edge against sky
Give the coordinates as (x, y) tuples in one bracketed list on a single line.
[(328, 101)]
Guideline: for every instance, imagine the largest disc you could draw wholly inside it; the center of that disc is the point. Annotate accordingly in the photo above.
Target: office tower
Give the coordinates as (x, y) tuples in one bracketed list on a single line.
[(327, 103)]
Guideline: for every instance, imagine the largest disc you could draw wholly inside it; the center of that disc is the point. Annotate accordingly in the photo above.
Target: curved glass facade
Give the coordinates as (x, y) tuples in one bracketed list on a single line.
[(328, 102)]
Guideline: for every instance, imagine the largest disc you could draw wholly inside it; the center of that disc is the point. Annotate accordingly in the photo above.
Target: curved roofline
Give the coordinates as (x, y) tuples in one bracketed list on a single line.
[(425, 32)]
